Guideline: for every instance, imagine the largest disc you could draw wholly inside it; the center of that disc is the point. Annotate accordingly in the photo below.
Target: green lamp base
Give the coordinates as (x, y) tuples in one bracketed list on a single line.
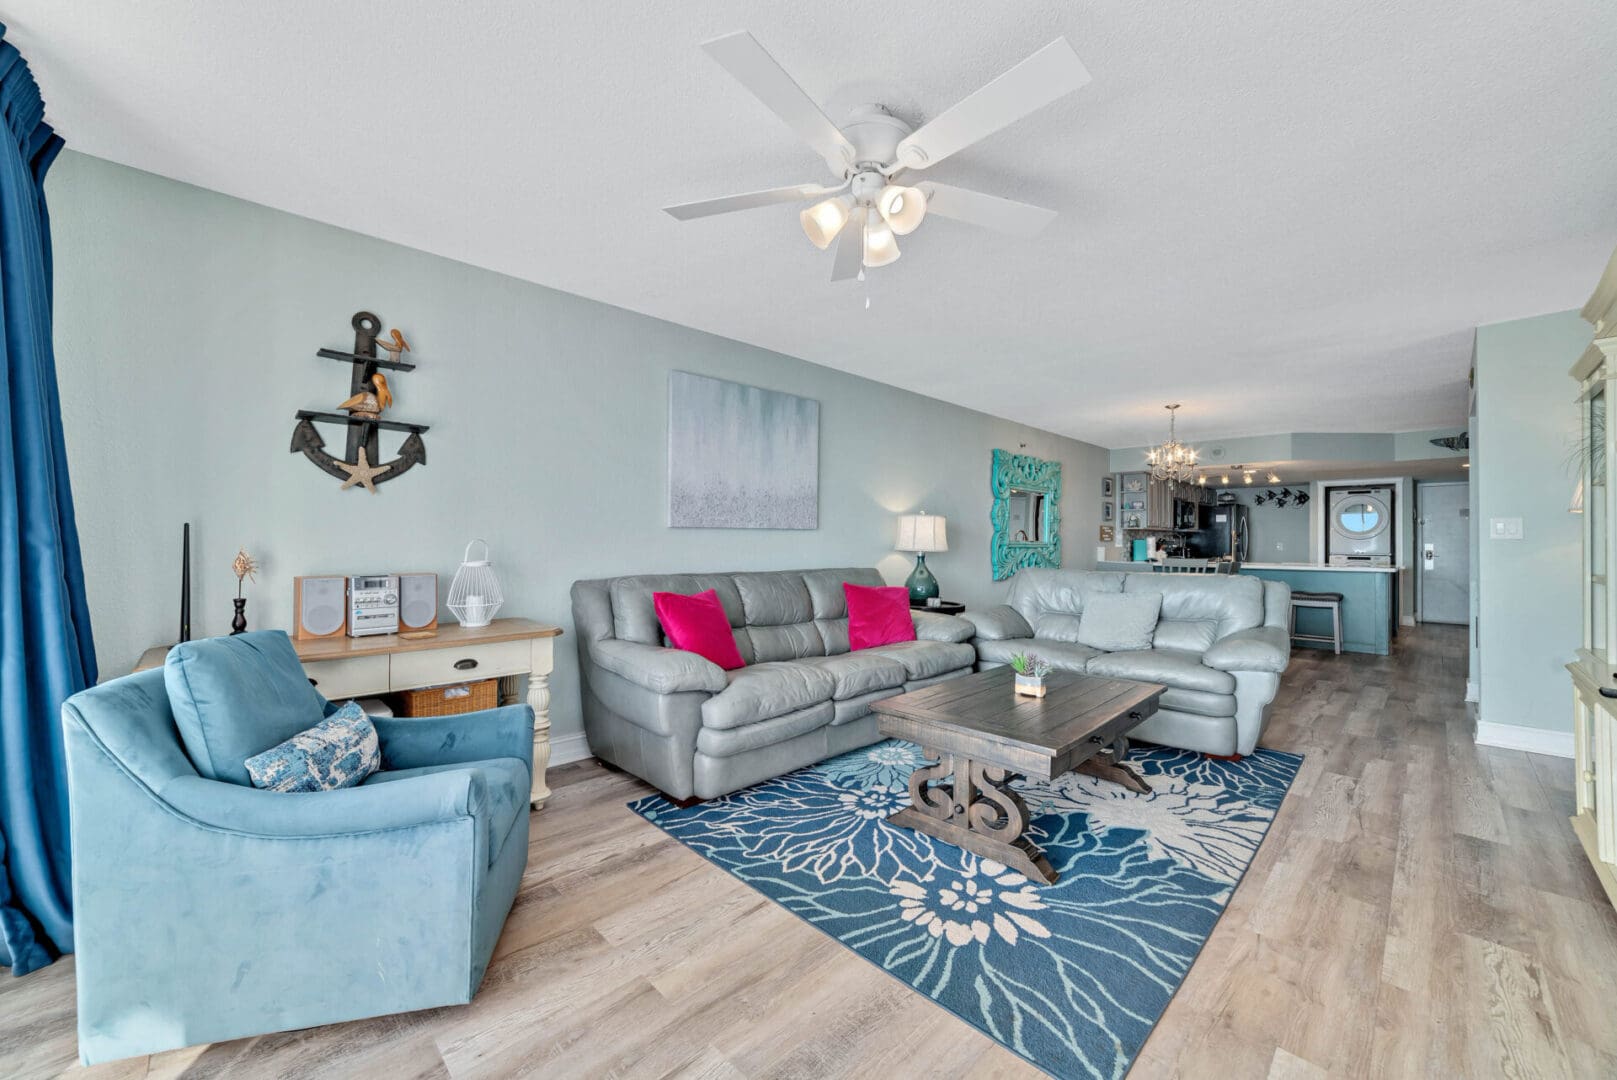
[(921, 583)]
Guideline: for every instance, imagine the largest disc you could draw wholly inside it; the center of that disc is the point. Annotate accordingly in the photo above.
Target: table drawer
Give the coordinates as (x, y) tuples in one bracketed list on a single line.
[(340, 679), (435, 667)]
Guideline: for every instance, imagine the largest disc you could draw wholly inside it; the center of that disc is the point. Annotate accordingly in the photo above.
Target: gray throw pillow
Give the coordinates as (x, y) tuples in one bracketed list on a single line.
[(1115, 622)]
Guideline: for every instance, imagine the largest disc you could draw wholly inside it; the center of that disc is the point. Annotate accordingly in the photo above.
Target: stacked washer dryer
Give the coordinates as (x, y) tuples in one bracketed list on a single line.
[(1359, 526)]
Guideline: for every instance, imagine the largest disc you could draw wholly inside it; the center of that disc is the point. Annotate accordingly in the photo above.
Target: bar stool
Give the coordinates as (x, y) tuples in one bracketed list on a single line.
[(1331, 600)]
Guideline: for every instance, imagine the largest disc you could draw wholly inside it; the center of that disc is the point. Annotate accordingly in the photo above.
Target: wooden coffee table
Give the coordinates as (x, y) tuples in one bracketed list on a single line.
[(983, 734)]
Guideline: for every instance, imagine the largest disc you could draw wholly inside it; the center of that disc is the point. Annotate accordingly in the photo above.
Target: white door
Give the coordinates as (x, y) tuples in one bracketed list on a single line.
[(1443, 552)]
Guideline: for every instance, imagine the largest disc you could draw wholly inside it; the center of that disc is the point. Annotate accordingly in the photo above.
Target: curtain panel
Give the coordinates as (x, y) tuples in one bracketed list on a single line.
[(46, 652)]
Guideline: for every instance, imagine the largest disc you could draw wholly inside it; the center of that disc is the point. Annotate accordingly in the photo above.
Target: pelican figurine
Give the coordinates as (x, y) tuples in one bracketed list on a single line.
[(369, 404), (394, 345)]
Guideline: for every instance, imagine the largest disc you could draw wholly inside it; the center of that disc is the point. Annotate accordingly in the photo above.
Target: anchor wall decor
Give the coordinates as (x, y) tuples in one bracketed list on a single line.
[(370, 395)]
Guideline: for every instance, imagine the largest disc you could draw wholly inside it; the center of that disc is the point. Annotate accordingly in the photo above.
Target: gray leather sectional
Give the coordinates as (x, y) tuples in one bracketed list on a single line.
[(1220, 646), (695, 730)]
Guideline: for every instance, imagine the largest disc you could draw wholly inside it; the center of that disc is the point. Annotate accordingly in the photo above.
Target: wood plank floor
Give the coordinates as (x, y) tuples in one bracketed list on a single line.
[(1419, 909)]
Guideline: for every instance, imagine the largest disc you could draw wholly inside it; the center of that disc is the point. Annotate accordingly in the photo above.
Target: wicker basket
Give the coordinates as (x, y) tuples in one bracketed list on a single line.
[(449, 700)]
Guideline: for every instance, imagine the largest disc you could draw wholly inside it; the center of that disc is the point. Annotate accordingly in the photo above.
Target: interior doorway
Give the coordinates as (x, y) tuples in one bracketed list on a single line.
[(1443, 553)]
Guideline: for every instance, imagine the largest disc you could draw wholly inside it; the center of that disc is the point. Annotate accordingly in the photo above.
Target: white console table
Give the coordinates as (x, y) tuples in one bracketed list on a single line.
[(512, 650)]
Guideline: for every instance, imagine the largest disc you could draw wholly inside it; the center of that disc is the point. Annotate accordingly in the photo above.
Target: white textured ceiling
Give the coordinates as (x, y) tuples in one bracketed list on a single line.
[(1286, 216)]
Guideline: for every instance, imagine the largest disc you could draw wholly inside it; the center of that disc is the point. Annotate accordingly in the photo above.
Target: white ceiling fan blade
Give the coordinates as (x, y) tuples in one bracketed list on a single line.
[(989, 211), (1046, 75), (741, 55), (750, 200), (850, 248)]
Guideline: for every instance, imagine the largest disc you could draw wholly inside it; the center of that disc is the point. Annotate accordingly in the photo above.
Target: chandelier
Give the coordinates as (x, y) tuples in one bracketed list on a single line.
[(1173, 460)]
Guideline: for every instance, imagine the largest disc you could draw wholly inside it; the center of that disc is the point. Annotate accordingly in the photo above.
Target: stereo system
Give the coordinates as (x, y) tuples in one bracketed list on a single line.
[(373, 605), (329, 606)]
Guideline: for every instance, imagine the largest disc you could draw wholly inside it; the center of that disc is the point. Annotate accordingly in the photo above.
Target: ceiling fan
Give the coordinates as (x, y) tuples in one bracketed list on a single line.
[(869, 206)]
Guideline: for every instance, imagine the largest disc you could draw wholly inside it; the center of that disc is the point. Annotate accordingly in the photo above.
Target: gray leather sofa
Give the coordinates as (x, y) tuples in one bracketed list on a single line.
[(1220, 647), (694, 730)]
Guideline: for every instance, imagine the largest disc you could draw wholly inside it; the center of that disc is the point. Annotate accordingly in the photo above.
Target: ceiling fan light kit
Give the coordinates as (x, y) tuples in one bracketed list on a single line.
[(880, 246), (824, 220), (868, 153)]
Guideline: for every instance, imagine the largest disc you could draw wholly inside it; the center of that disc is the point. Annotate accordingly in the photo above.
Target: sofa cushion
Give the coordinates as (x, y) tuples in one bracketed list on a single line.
[(1119, 623), (506, 780), (634, 614), (765, 691), (777, 599), (1229, 602), (698, 624), (1039, 591), (826, 597), (727, 742), (1199, 702), (859, 673), (1170, 667), (1062, 656), (233, 697), (926, 659), (338, 752), (878, 615)]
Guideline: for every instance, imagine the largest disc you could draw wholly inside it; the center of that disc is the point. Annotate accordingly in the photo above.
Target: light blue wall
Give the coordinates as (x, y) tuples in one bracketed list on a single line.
[(1530, 604), (1279, 534), (186, 327)]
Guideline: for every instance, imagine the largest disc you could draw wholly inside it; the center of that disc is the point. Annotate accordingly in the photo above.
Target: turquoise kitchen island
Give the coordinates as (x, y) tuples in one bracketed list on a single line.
[(1369, 602)]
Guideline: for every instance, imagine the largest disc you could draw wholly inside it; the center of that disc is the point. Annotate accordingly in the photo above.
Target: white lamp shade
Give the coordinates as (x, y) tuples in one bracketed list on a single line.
[(881, 247), (923, 532), (901, 207), (823, 220)]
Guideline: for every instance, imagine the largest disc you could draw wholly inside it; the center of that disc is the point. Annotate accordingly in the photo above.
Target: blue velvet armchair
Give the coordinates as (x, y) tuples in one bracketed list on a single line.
[(207, 910)]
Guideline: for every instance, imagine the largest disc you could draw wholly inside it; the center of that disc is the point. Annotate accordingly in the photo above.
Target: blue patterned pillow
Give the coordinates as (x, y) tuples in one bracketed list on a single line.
[(338, 752)]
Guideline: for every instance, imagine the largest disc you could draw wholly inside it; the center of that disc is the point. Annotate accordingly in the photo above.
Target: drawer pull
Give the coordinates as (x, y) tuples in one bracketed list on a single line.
[(465, 665)]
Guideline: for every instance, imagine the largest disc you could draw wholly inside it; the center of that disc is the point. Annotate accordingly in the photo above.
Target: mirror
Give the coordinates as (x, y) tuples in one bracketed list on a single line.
[(1025, 518), (1026, 513)]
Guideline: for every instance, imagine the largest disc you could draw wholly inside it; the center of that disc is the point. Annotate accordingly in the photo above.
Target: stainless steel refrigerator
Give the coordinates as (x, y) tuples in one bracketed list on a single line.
[(1223, 531)]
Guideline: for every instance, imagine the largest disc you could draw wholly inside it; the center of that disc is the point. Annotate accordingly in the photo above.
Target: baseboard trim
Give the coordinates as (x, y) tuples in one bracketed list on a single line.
[(569, 748), (1473, 690), (1406, 620), (1531, 739)]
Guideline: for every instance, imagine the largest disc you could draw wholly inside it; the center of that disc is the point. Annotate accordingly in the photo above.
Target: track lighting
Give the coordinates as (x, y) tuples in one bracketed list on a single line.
[(823, 220), (901, 207)]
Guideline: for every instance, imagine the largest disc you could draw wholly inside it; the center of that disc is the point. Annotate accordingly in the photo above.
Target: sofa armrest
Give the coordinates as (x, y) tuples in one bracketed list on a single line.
[(662, 671), (1262, 648), (933, 626), (1001, 623), (410, 742), (428, 799)]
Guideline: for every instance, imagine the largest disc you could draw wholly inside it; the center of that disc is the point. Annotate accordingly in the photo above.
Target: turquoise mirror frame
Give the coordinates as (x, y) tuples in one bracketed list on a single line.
[(1022, 472)]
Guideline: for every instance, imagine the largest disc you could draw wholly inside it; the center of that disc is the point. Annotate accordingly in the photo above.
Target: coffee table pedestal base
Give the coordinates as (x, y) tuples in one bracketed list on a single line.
[(980, 812), (1021, 854)]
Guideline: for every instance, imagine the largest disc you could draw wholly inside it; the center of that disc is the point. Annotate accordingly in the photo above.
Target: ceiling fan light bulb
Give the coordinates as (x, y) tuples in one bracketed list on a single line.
[(881, 247), (823, 221), (901, 207)]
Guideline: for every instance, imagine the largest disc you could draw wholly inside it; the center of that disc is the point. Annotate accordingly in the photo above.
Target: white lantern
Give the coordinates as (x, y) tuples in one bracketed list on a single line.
[(474, 595)]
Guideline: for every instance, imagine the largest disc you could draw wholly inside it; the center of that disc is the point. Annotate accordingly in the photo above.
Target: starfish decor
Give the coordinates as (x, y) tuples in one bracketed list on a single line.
[(364, 473)]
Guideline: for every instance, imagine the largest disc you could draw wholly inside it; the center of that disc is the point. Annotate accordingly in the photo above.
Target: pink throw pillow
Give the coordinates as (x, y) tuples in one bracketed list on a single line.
[(698, 624), (878, 615)]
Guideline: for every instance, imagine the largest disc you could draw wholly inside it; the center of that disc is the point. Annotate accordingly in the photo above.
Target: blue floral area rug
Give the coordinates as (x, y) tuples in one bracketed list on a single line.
[(1071, 976)]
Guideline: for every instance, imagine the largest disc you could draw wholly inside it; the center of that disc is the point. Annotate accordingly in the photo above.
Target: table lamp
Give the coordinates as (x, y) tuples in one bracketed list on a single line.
[(921, 533)]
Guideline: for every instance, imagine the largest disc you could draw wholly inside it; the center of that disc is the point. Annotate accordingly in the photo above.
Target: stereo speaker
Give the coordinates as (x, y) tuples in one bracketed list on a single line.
[(418, 601), (321, 607)]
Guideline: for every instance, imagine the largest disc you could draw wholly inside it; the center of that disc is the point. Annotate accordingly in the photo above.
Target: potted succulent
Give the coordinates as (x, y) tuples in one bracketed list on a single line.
[(1030, 671)]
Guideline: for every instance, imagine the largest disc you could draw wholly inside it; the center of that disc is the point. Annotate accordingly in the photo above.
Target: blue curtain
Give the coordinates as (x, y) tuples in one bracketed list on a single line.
[(46, 653)]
